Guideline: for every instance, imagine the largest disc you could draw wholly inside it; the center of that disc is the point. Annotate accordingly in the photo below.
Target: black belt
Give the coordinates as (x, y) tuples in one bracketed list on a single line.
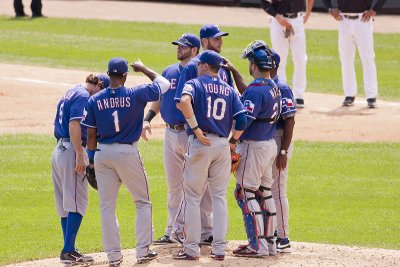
[(291, 15), (178, 127), (67, 139), (195, 136), (351, 16)]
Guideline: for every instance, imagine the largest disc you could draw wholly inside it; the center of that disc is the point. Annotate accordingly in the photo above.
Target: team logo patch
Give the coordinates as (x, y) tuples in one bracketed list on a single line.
[(249, 106), (288, 102)]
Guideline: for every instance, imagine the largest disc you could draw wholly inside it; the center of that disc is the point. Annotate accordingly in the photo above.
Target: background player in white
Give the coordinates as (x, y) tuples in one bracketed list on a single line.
[(257, 148), (176, 139), (114, 118), (69, 162), (209, 105), (356, 30), (280, 171), (287, 32)]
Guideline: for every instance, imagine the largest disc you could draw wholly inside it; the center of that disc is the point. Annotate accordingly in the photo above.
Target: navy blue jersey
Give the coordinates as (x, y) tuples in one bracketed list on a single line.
[(118, 113), (70, 108), (169, 111), (262, 101), (288, 106), (215, 103), (190, 72)]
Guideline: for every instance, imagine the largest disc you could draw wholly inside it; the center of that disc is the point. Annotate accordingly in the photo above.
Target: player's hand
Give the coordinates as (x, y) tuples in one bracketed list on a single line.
[(367, 15), (80, 165), (288, 32), (306, 16), (202, 138), (227, 64), (281, 162), (335, 13), (146, 127), (138, 65), (282, 21)]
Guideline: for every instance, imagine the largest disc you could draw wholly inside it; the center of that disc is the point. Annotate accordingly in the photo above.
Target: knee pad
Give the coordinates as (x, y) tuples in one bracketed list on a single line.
[(267, 205)]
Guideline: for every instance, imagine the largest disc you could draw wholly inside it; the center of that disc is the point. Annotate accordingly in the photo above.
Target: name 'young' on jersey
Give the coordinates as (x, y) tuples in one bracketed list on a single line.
[(118, 113), (70, 107), (215, 103), (262, 101)]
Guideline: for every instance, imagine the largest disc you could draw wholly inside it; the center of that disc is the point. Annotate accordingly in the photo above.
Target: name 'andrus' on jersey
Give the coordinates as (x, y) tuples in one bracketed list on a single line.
[(114, 102)]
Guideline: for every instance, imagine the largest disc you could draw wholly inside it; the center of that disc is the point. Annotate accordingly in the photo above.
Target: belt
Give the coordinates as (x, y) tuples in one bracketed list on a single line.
[(291, 15), (178, 127), (68, 140), (195, 136), (351, 16)]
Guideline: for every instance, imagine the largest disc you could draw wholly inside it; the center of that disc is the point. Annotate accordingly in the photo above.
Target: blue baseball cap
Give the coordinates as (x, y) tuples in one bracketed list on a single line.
[(188, 40), (210, 57), (275, 57), (105, 79), (211, 31), (118, 65)]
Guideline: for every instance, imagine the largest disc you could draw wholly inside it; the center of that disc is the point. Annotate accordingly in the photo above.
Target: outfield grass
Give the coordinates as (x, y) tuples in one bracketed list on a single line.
[(339, 193), (89, 44)]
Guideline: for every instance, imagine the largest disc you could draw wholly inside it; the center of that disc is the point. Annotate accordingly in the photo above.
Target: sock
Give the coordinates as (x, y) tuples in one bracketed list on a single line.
[(64, 225), (73, 223)]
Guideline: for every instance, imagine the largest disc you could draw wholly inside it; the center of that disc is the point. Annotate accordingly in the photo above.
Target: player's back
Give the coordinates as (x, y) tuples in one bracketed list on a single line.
[(70, 107), (262, 101)]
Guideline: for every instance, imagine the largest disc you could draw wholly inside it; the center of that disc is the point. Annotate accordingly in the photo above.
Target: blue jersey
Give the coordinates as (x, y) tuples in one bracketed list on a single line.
[(262, 101), (70, 108), (190, 72), (118, 113), (215, 103), (288, 106), (169, 111)]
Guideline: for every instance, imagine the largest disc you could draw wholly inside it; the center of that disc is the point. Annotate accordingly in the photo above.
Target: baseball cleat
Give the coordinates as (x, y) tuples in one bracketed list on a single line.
[(181, 255), (299, 103), (245, 251), (371, 102), (217, 257), (348, 101), (164, 240), (115, 263), (283, 245), (208, 241), (150, 256), (75, 258)]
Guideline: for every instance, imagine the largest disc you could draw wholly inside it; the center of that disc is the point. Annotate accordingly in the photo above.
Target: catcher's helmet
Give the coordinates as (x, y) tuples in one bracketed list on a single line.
[(259, 53)]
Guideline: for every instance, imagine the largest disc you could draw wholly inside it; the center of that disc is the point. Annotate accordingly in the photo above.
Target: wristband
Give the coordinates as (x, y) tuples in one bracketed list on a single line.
[(91, 155), (233, 141), (192, 122), (195, 128), (150, 115)]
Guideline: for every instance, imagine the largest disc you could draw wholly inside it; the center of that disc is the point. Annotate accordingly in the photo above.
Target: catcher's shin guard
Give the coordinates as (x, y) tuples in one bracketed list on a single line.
[(252, 217), (267, 205)]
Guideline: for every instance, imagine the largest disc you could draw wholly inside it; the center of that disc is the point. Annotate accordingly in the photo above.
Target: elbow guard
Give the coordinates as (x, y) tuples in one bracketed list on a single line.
[(163, 83)]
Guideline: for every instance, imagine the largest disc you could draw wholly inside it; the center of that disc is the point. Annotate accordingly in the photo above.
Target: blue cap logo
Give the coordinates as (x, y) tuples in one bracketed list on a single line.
[(188, 40), (210, 57), (211, 31), (118, 65)]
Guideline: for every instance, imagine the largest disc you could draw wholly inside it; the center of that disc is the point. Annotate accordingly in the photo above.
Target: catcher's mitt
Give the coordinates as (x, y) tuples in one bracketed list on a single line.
[(235, 158), (90, 175)]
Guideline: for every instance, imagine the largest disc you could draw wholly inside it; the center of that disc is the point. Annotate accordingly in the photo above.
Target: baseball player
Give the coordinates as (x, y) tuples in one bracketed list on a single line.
[(356, 30), (176, 139), (283, 139), (209, 105), (287, 32), (262, 100), (114, 118), (69, 162)]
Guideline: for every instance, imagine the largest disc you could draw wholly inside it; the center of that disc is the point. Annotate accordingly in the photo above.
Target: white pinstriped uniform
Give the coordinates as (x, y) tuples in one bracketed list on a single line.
[(354, 33), (297, 45)]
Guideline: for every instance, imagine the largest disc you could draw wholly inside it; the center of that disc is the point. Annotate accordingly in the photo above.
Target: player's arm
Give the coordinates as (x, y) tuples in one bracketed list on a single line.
[(267, 6), (334, 12), (309, 6), (76, 140), (367, 15), (240, 126), (153, 111), (239, 81), (281, 160), (91, 144)]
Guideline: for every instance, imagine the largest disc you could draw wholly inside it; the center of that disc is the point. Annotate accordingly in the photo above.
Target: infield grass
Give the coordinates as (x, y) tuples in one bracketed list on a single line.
[(89, 44), (339, 194)]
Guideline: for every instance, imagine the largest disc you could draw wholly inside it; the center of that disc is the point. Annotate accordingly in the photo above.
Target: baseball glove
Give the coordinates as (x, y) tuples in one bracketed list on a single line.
[(235, 158), (288, 32), (90, 175)]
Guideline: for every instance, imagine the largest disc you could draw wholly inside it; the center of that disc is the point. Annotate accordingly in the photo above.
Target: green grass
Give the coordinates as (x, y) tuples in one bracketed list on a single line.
[(339, 193), (89, 44)]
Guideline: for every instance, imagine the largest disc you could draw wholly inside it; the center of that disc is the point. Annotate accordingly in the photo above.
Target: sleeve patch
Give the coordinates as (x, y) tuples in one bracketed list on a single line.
[(249, 106)]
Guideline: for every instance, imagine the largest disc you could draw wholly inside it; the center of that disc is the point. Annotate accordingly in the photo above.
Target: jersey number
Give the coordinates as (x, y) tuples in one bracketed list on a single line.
[(219, 105), (60, 113), (275, 115), (116, 121)]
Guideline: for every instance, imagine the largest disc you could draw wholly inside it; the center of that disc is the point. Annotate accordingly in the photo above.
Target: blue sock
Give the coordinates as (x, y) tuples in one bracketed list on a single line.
[(73, 223), (64, 226)]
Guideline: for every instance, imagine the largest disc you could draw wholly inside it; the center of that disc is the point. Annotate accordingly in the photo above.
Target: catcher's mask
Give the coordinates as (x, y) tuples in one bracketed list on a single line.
[(259, 53)]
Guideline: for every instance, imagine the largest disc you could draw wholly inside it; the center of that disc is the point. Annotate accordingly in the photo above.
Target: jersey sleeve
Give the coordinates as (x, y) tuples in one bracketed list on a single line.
[(77, 107), (237, 105), (88, 118), (288, 106), (188, 89), (148, 92), (188, 73), (252, 101)]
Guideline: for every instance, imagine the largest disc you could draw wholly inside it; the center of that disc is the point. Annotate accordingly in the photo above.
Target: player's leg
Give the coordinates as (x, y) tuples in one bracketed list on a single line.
[(36, 7), (108, 184), (19, 8), (365, 43), (206, 215), (347, 52), (218, 180), (133, 176), (281, 45), (298, 48)]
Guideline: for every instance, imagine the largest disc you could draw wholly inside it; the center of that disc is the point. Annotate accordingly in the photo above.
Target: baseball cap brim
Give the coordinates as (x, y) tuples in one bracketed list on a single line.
[(219, 34), (180, 43)]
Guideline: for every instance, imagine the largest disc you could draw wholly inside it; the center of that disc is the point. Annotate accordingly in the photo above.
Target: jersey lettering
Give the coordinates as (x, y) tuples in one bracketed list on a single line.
[(116, 120), (216, 88), (114, 102), (173, 83)]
